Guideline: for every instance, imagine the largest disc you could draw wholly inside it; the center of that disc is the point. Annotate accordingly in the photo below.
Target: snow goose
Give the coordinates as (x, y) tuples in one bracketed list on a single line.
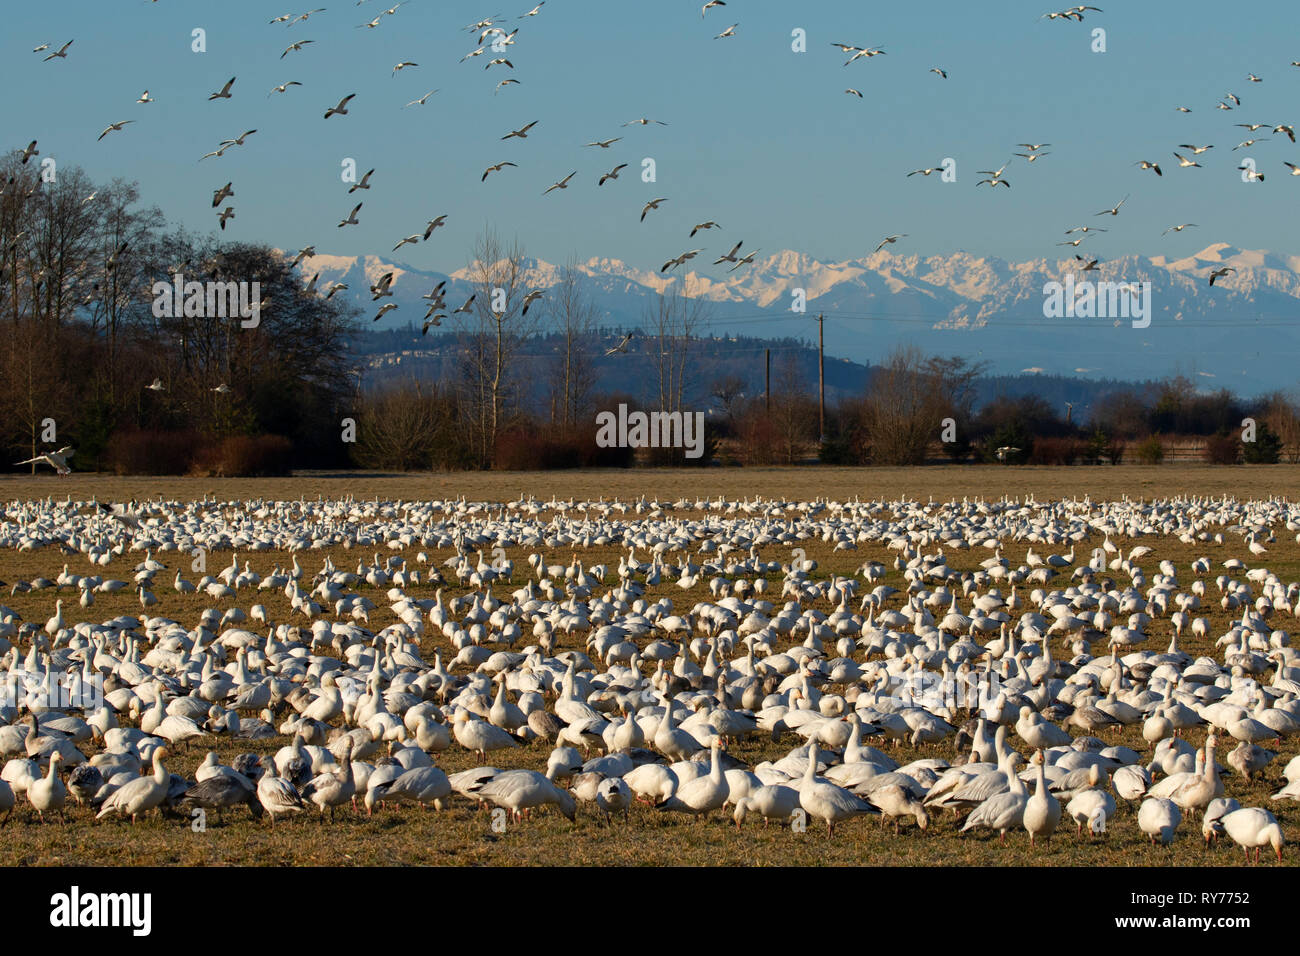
[(1158, 818), (1253, 827), (825, 801), (479, 736), (522, 790), (49, 792), (704, 794), (895, 802), (142, 794), (278, 796), (1042, 811), (7, 801), (330, 790), (652, 783), (771, 802), (1086, 806), (1003, 811)]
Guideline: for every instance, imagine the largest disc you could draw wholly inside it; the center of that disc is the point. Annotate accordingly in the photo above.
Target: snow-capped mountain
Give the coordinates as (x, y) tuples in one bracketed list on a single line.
[(1244, 330)]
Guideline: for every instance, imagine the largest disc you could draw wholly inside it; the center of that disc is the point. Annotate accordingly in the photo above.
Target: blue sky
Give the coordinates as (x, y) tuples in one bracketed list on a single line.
[(760, 138)]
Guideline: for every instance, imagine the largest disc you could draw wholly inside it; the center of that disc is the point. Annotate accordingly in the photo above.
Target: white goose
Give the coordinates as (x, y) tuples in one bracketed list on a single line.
[(1042, 811), (1158, 818), (1252, 827), (825, 801)]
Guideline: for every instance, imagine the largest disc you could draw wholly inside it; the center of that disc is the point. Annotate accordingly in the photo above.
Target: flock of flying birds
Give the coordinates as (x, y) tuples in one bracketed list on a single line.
[(494, 38)]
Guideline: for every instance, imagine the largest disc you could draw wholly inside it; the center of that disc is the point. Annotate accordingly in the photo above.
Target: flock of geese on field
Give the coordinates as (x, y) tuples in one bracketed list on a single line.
[(978, 686)]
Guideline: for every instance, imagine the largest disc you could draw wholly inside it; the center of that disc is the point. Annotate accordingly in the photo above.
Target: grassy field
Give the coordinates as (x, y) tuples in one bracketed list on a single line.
[(464, 835)]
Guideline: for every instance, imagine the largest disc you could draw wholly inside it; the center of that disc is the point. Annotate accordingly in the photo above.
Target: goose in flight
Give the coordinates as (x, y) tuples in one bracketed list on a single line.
[(612, 174), (227, 213), (383, 287), (535, 10), (1289, 130), (384, 310), (1071, 242), (364, 183), (60, 52), (605, 143), (1244, 144), (1149, 165), (927, 171), (1184, 162), (335, 287), (494, 169), (652, 204), (1179, 228), (224, 92), (58, 460), (857, 93), (431, 320), (747, 260), (1295, 170), (888, 240), (1032, 156), (1032, 147), (712, 3), (996, 174), (41, 49), (644, 122), (305, 253), (436, 295), (1220, 273), (1236, 101), (1182, 109), (282, 87), (680, 260), (304, 16), (499, 61), (729, 32), (225, 192), (295, 47), (222, 389), (562, 184), (146, 98), (506, 82), (730, 256), (341, 109), (863, 51), (280, 19), (434, 224), (113, 127), (403, 65), (1252, 176), (522, 132), (156, 386), (409, 240), (421, 101), (1197, 150), (30, 151), (352, 220), (1254, 79), (532, 297), (622, 346), (1114, 210), (705, 225), (1089, 265), (468, 302), (942, 73)]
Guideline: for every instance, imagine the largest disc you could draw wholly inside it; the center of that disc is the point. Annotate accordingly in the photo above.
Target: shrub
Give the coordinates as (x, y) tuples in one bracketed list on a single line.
[(244, 456), (1222, 449), (1266, 449), (140, 452), (1057, 451), (1150, 451)]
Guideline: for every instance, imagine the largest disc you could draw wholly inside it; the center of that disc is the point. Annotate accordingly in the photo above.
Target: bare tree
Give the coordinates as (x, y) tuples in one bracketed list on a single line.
[(904, 409), (493, 331), (574, 374), (673, 319), (794, 412)]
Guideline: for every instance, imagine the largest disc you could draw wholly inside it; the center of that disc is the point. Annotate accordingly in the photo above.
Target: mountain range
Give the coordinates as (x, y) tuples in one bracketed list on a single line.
[(1242, 332)]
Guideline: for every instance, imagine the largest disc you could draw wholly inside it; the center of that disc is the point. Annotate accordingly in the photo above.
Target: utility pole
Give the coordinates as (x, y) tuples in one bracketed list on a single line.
[(767, 382), (821, 381)]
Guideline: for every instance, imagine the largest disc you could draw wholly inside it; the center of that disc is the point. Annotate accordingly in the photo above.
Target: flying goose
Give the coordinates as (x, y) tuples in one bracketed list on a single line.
[(705, 225), (532, 297), (729, 32), (341, 109), (1179, 228), (225, 192), (889, 240), (434, 224), (562, 184), (282, 87), (224, 92), (364, 182), (421, 100), (652, 204), (1149, 165), (1114, 210), (1184, 162), (493, 169), (352, 220), (60, 52), (680, 260), (58, 460), (227, 213), (295, 47), (384, 310), (612, 174), (605, 143), (522, 132), (622, 346), (1220, 273), (112, 127)]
